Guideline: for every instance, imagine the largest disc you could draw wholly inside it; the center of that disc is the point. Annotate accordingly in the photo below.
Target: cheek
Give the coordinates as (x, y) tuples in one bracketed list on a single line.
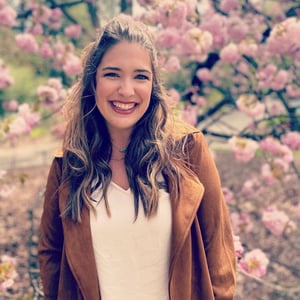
[(147, 92)]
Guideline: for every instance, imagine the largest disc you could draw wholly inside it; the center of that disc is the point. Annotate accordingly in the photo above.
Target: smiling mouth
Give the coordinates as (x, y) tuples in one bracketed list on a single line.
[(123, 106)]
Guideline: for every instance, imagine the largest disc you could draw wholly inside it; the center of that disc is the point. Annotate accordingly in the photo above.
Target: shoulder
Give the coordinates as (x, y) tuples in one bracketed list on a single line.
[(58, 153), (180, 130)]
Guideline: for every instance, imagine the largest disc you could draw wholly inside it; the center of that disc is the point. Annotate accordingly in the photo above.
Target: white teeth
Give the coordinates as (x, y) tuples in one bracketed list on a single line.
[(123, 106)]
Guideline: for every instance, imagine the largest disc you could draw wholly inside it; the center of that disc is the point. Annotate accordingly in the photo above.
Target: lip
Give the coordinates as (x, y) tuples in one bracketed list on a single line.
[(123, 107)]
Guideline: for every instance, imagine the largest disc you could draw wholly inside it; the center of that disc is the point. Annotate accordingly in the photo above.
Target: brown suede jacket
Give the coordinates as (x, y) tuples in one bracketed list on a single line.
[(202, 265)]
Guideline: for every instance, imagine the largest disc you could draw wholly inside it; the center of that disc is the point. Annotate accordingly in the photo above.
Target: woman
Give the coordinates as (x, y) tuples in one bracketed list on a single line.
[(133, 206)]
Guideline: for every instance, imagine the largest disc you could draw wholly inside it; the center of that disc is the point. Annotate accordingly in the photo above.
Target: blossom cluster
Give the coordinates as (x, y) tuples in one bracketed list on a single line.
[(37, 38), (255, 262), (247, 52), (8, 15), (8, 272), (52, 94), (22, 122)]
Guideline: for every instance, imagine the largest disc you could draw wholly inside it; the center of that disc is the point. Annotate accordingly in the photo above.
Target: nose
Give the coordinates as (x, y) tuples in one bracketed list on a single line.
[(126, 87)]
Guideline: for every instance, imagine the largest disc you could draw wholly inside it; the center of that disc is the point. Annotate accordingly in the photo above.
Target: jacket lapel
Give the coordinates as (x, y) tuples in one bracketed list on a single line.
[(183, 213), (79, 251)]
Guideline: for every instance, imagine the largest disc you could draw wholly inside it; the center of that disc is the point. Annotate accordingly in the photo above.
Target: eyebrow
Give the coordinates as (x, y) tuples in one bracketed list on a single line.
[(118, 69)]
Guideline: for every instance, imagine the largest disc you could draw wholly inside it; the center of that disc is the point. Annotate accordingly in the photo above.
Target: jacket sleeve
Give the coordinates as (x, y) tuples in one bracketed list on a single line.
[(214, 222), (51, 236)]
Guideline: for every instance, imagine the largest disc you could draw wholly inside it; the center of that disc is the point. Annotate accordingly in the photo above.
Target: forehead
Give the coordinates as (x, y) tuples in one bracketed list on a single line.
[(127, 53)]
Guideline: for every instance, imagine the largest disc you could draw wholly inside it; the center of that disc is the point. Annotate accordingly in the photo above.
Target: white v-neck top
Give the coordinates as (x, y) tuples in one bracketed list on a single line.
[(132, 256)]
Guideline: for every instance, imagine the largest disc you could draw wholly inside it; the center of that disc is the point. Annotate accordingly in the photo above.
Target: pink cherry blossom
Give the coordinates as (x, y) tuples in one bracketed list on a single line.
[(250, 105), (286, 154), (23, 122), (7, 16), (73, 31), (55, 25), (216, 24), (168, 38), (229, 5), (31, 118), (243, 149), (55, 19), (230, 53), (59, 48), (45, 50), (275, 108), (18, 127), (145, 3), (275, 220), (279, 81), (273, 146), (292, 140), (32, 4), (204, 74), (284, 37), (42, 14), (56, 15), (64, 57), (27, 42), (72, 64), (2, 3), (11, 105), (251, 187), (243, 67), (241, 222), (56, 84), (191, 6), (7, 272), (52, 94), (228, 194), (248, 47), (172, 64), (265, 74), (199, 100), (172, 13), (275, 170), (238, 247), (196, 42), (255, 263), (36, 29), (293, 91), (47, 94), (270, 144), (237, 29)]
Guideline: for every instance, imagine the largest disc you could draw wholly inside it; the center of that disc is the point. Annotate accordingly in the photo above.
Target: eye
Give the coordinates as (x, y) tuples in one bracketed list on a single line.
[(111, 74), (142, 77)]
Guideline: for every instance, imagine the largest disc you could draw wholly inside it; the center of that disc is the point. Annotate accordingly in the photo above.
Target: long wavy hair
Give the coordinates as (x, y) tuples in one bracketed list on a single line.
[(87, 145)]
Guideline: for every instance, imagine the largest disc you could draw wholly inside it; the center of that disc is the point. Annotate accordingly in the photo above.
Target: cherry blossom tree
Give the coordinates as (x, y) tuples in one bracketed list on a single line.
[(241, 59), (231, 68)]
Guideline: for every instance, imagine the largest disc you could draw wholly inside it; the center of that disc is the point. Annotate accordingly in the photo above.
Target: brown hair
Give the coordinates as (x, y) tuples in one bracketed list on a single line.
[(87, 144)]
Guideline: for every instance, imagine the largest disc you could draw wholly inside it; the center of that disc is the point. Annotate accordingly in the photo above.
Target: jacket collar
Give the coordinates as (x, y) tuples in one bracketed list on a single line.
[(78, 238)]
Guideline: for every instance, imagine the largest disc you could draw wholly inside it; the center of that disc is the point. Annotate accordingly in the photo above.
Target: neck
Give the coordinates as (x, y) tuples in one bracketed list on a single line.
[(119, 145)]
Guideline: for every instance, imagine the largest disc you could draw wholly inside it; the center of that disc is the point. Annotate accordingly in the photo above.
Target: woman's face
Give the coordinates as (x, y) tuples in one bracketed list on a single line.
[(124, 85)]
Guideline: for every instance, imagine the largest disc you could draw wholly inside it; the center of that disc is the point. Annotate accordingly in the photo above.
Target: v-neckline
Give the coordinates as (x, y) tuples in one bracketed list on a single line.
[(120, 187)]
